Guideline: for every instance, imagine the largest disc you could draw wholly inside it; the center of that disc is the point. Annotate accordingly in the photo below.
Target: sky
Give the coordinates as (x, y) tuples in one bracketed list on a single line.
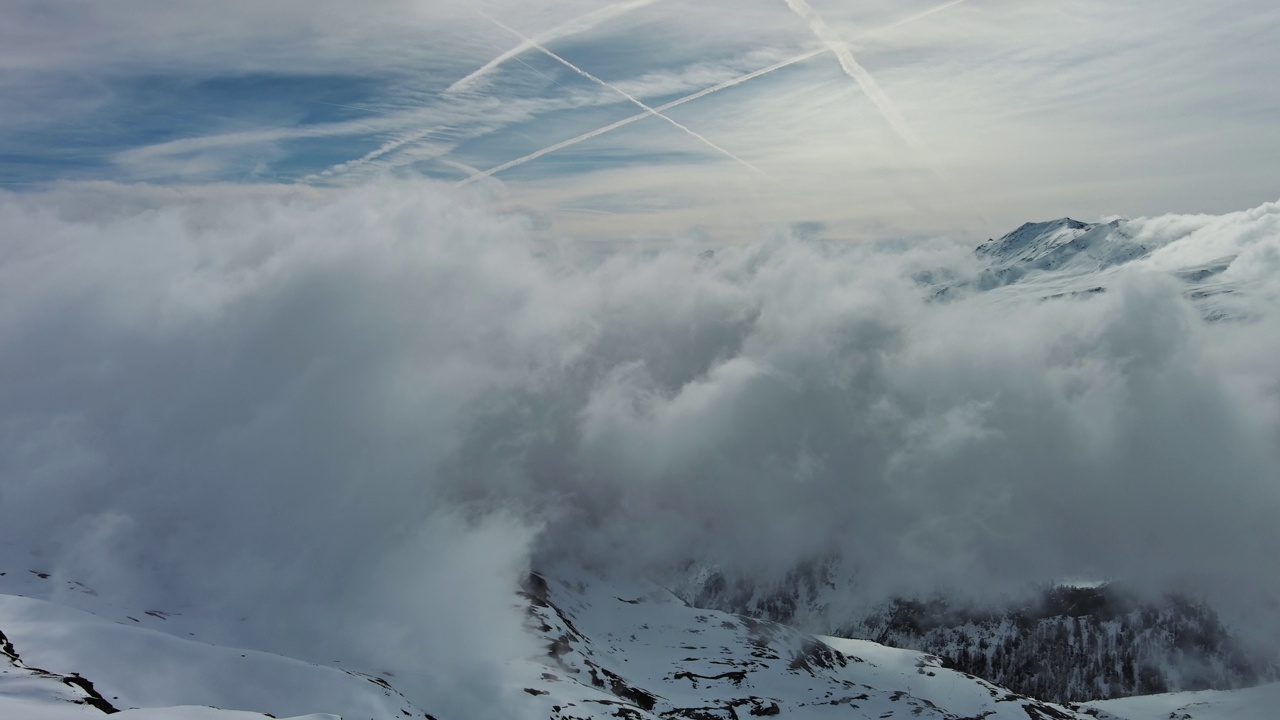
[(875, 119)]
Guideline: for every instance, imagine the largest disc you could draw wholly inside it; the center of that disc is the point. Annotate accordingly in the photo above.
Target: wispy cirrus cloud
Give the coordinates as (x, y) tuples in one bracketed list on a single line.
[(856, 71), (573, 27), (329, 94)]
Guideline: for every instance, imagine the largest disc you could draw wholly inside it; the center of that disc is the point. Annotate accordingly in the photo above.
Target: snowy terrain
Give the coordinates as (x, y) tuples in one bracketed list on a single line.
[(1062, 643), (620, 649), (1075, 644), (635, 650), (613, 649), (62, 662), (1257, 703), (1066, 258)]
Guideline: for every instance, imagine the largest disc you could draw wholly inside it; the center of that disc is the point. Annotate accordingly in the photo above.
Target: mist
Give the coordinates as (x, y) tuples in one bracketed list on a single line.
[(375, 408)]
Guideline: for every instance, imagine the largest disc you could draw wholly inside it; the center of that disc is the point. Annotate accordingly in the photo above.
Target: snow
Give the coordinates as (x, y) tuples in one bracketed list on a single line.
[(1257, 703), (137, 667), (628, 645), (196, 712), (39, 709), (615, 648), (43, 708), (1218, 258)]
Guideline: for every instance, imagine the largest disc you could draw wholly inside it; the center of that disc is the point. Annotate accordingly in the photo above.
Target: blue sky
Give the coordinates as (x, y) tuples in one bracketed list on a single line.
[(905, 117)]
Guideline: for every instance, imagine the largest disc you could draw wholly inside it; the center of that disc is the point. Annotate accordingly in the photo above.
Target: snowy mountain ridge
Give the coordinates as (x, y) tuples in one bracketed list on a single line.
[(613, 649), (1067, 258), (1064, 246), (1077, 644), (1063, 643)]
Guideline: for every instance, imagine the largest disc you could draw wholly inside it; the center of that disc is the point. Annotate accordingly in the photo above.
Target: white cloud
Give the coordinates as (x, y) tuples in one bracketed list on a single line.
[(262, 395)]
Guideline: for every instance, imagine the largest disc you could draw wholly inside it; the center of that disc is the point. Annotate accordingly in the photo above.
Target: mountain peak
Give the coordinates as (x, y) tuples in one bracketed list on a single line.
[(1065, 245)]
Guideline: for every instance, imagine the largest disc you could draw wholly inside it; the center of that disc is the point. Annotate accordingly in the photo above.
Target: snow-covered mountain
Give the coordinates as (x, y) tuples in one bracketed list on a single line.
[(59, 661), (1065, 643), (638, 651), (1064, 246), (613, 648), (1067, 258), (1073, 644), (1257, 703)]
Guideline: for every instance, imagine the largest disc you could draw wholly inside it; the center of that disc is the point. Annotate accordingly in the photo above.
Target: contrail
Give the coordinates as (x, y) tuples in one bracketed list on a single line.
[(385, 148), (690, 98), (640, 116), (634, 100), (854, 70), (572, 27), (918, 16), (472, 172)]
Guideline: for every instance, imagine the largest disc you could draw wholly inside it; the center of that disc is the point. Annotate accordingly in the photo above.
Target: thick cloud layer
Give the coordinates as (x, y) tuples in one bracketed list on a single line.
[(374, 407)]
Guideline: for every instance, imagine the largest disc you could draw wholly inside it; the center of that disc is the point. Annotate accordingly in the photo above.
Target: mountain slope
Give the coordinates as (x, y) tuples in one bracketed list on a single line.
[(119, 666), (1064, 246), (637, 651), (1068, 644), (1216, 258), (1076, 643), (618, 649), (1255, 703)]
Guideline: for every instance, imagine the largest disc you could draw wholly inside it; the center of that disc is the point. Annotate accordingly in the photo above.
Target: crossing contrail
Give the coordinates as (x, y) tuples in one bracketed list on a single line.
[(634, 100), (572, 27), (690, 98), (854, 70), (640, 116)]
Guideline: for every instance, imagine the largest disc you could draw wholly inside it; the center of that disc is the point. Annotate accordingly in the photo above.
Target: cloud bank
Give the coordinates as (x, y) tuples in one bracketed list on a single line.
[(376, 407)]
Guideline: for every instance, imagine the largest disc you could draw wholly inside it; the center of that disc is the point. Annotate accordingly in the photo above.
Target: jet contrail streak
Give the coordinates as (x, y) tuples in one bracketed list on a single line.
[(572, 27), (854, 70), (387, 147), (918, 16), (690, 98), (634, 100), (640, 116)]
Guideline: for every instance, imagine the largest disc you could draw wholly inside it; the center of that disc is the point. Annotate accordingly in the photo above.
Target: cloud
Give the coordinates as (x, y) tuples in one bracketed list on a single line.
[(386, 401), (228, 400)]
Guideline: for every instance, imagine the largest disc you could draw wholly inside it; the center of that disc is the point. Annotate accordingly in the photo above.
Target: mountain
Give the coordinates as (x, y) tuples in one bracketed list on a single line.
[(58, 662), (613, 649), (1073, 644), (636, 650), (1063, 246), (1065, 643), (1067, 258), (1257, 703)]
